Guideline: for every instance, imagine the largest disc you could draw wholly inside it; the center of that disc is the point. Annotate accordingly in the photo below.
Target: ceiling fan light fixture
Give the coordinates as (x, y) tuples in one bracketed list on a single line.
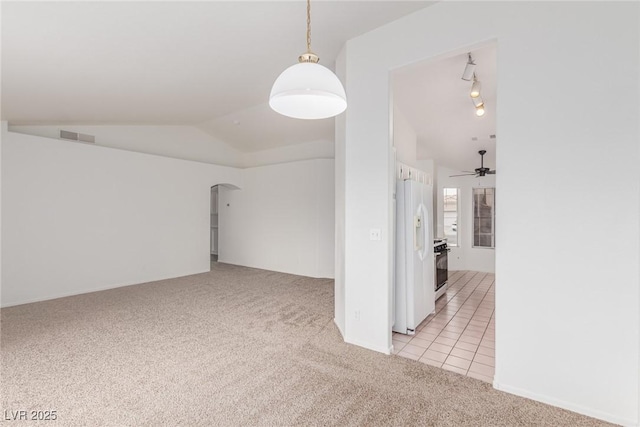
[(481, 171), (469, 69), (308, 90)]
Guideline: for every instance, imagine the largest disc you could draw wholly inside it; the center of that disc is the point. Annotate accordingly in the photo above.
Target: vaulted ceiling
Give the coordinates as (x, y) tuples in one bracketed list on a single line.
[(212, 64), (207, 64)]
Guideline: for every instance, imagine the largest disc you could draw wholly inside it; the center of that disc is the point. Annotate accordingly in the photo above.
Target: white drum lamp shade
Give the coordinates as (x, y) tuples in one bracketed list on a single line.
[(308, 90)]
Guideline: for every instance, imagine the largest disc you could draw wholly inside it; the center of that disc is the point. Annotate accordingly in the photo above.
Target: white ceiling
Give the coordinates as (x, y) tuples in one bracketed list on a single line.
[(435, 100), (209, 64)]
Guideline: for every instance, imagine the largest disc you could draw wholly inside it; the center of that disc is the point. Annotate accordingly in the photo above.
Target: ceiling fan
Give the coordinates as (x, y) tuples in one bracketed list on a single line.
[(481, 171)]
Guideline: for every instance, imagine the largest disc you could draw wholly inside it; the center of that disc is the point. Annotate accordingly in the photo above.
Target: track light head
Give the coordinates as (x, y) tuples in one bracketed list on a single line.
[(478, 102), (469, 69), (475, 88)]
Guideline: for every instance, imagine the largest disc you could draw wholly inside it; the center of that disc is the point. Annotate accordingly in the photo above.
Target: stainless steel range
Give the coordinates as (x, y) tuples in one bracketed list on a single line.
[(440, 251)]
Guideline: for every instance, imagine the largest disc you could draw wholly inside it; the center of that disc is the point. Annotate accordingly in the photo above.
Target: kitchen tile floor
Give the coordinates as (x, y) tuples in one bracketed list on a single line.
[(460, 336)]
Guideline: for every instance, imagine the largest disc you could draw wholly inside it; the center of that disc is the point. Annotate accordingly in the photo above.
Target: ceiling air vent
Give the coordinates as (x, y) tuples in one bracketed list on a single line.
[(74, 136), (86, 138), (65, 134)]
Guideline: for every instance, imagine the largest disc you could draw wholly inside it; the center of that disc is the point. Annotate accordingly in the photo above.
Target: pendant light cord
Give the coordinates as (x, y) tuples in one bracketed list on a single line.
[(308, 56), (308, 26)]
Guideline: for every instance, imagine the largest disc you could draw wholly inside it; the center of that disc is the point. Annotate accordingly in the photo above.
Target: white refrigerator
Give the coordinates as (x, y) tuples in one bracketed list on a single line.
[(414, 296)]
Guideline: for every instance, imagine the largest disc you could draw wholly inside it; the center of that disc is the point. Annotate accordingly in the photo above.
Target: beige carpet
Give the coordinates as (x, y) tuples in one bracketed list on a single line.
[(236, 346)]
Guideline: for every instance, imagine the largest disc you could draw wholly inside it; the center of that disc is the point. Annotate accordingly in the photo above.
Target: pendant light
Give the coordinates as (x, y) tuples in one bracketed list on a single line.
[(308, 90)]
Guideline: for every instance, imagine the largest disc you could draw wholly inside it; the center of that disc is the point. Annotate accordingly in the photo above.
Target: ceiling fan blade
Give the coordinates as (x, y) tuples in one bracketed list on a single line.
[(493, 172), (464, 174)]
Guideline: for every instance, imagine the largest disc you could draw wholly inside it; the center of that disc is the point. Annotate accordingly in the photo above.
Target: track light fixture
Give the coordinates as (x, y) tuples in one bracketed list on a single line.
[(478, 102), (470, 75), (469, 69), (475, 87)]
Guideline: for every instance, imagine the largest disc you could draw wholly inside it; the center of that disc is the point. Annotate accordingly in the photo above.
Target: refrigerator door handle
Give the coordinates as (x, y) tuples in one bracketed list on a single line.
[(422, 249)]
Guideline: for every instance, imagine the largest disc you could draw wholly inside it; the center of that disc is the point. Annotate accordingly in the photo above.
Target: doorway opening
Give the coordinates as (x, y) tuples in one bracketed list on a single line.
[(214, 222), (444, 116), (220, 224)]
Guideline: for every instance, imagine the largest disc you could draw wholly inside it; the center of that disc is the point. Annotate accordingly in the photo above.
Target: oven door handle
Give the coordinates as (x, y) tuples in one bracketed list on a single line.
[(437, 253)]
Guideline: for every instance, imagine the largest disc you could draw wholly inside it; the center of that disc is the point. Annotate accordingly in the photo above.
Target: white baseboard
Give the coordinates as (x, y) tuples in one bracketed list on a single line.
[(88, 291), (339, 328), (369, 346), (564, 405), (306, 273)]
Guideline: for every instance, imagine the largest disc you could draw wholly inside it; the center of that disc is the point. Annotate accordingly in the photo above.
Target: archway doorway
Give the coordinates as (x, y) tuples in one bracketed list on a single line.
[(217, 220), (214, 224)]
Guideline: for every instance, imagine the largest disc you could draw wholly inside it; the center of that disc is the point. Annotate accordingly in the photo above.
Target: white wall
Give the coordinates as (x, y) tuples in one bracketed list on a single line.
[(78, 218), (340, 181), (3, 131), (289, 153), (465, 256), (326, 219), (281, 220), (567, 329), (83, 217), (404, 139)]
